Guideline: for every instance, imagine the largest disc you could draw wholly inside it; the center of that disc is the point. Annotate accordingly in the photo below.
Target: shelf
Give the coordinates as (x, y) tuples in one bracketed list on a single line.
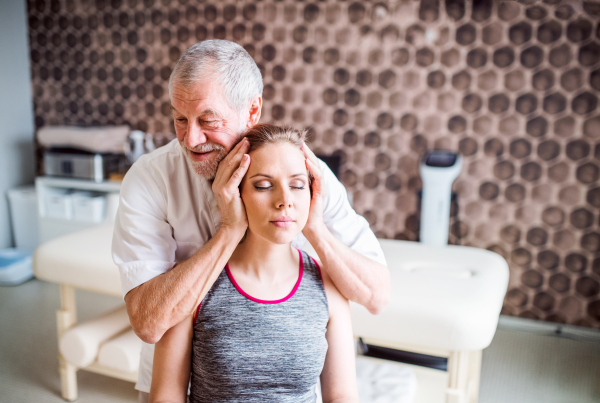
[(106, 186), (53, 227)]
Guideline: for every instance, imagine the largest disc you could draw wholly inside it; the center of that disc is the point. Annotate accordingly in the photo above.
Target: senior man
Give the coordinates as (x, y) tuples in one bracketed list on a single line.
[(181, 216)]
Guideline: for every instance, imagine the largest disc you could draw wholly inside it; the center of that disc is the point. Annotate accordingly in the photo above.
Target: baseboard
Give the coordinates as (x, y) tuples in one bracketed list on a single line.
[(549, 328)]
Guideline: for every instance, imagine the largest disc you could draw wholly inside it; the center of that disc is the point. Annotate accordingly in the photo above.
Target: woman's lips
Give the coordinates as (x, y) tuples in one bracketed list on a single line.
[(282, 222)]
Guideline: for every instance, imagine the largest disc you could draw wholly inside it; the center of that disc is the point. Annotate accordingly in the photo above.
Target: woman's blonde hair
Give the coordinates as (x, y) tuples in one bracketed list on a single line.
[(263, 134)]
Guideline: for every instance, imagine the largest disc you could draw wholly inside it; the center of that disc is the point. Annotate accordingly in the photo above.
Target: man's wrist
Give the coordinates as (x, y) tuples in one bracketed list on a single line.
[(231, 233), (316, 234)]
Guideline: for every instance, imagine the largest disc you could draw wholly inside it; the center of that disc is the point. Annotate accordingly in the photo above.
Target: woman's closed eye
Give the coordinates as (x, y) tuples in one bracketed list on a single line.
[(298, 184), (262, 185)]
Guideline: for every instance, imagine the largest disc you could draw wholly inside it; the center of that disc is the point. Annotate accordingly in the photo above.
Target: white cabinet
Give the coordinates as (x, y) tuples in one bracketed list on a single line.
[(69, 205)]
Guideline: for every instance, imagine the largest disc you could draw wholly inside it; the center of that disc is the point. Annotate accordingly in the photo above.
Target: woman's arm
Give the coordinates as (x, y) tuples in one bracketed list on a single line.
[(338, 378), (172, 364)]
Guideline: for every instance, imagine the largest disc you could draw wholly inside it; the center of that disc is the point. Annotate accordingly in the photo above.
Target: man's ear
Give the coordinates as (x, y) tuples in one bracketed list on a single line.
[(255, 111)]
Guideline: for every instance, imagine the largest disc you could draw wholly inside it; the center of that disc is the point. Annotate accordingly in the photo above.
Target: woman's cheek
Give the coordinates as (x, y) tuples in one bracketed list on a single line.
[(305, 205)]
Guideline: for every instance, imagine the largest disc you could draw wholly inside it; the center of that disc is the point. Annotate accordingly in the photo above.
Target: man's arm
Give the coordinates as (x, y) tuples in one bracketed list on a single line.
[(166, 299), (359, 278)]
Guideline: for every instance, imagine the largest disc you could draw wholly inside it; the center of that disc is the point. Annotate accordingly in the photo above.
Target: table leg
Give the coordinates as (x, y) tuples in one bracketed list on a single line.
[(474, 376), (458, 366), (66, 318), (464, 369)]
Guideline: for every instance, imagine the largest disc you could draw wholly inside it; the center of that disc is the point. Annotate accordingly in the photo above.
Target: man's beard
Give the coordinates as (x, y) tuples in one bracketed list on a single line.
[(206, 169)]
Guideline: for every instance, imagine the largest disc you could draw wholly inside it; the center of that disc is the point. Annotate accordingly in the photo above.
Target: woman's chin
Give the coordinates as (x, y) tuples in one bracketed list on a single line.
[(279, 236), (282, 239)]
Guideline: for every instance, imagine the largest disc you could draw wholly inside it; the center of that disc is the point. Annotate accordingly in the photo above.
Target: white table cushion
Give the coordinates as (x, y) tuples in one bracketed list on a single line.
[(122, 352), (82, 259), (80, 345), (441, 297)]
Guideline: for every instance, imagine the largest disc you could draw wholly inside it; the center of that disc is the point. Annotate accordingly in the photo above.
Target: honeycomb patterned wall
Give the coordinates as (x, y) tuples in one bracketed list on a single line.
[(512, 85)]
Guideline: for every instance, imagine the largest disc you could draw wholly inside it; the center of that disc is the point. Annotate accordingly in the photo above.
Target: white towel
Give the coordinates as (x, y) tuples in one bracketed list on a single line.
[(381, 381), (104, 139), (122, 352), (80, 345)]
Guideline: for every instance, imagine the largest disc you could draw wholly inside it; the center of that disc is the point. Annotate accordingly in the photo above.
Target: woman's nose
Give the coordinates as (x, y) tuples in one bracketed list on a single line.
[(285, 200)]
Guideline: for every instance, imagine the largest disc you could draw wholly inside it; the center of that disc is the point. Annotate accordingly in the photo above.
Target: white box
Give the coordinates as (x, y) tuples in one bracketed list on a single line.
[(88, 206), (59, 204)]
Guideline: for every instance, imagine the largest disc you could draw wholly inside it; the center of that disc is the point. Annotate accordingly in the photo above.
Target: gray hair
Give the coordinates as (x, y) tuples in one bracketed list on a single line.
[(228, 63)]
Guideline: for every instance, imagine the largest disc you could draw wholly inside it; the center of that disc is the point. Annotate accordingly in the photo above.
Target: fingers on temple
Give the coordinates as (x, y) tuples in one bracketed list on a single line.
[(307, 151), (309, 154), (314, 168), (316, 177), (235, 156), (238, 174), (232, 160)]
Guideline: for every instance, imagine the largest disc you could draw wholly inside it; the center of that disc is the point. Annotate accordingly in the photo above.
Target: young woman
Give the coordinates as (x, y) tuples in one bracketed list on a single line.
[(273, 322)]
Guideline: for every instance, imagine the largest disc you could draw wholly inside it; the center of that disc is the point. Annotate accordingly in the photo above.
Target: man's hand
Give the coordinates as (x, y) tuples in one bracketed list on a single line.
[(315, 217), (226, 189)]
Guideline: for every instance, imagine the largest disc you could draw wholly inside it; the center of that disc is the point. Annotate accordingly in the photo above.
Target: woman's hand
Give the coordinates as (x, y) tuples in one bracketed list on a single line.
[(315, 222), (227, 192)]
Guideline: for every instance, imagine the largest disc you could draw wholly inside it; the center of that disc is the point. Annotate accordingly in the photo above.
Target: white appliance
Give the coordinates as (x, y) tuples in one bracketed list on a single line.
[(24, 217), (15, 263), (438, 169)]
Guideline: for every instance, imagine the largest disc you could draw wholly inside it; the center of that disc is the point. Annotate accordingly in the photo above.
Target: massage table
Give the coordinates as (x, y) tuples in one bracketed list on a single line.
[(445, 302)]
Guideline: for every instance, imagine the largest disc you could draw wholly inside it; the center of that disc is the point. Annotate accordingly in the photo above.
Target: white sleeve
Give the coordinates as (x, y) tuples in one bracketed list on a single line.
[(343, 222), (143, 246)]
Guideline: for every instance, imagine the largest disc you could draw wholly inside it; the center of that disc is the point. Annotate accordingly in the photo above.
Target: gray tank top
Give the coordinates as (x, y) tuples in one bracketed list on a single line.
[(249, 350)]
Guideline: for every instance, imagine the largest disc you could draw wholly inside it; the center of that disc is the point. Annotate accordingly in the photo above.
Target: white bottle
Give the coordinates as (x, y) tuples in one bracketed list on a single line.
[(149, 143), (438, 169), (137, 137)]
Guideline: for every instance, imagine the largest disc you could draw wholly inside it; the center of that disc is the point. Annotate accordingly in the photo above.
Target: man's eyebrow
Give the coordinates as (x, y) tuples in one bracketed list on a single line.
[(211, 112), (270, 177), (207, 111)]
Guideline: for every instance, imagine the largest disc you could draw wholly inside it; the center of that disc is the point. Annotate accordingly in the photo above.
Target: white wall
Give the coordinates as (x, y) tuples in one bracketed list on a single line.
[(17, 161)]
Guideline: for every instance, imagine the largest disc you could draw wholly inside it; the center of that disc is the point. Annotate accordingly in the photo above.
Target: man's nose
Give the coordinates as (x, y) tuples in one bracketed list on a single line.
[(195, 135)]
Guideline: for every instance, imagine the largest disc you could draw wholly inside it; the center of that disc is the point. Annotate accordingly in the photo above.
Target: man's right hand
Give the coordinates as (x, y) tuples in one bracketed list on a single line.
[(226, 189)]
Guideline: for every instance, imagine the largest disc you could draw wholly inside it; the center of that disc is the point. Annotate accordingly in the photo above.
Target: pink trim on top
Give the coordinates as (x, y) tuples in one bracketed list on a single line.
[(262, 301), (197, 312)]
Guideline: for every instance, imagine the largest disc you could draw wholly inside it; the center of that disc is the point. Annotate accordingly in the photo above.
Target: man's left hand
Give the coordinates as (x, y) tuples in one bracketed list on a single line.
[(315, 222)]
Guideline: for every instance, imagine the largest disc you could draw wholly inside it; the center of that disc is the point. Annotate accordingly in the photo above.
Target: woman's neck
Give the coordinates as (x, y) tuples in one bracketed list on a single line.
[(264, 260)]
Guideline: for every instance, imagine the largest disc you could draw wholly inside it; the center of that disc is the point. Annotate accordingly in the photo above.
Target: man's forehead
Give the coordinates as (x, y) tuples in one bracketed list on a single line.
[(206, 95), (205, 112)]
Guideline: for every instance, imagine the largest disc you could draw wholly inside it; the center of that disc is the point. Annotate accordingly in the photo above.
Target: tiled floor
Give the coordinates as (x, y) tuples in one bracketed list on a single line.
[(518, 367)]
